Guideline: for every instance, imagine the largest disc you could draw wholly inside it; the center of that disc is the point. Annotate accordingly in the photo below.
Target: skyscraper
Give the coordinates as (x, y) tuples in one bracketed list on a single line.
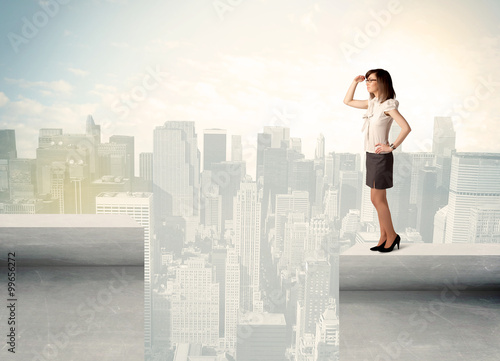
[(443, 140), (297, 201), (236, 148), (195, 303), (485, 224), (350, 183), (320, 147), (301, 177), (176, 164), (22, 178), (316, 293), (128, 141), (146, 166), (232, 298), (275, 176), (419, 160), (261, 336), (474, 182), (246, 224), (296, 233), (227, 176), (427, 203), (113, 160), (443, 146), (326, 347), (214, 147), (263, 142), (8, 148), (280, 136)]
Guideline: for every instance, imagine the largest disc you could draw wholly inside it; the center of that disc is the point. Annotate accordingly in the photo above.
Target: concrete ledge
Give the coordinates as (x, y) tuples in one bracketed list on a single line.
[(69, 240), (421, 267)]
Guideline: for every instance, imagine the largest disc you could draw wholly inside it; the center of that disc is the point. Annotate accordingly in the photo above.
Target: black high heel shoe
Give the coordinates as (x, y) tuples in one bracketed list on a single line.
[(376, 248), (382, 249)]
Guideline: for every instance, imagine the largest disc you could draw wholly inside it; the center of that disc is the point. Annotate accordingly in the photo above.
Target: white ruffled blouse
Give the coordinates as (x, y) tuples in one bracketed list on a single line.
[(377, 124)]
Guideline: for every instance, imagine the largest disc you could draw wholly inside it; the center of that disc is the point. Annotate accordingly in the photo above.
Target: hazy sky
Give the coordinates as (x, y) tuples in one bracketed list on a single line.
[(135, 64)]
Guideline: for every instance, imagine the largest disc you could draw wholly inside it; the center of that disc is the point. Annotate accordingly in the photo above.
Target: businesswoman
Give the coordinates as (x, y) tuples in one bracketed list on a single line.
[(382, 109)]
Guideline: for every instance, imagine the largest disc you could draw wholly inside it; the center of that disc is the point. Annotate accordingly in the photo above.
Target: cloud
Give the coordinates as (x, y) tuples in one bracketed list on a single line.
[(121, 44), (3, 99), (78, 72), (44, 87), (307, 20)]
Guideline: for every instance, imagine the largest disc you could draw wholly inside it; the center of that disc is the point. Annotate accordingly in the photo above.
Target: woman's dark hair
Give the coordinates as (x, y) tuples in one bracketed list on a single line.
[(384, 82)]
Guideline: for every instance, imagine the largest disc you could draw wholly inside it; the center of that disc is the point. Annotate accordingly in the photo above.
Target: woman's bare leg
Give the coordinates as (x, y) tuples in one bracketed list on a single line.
[(383, 232), (379, 200)]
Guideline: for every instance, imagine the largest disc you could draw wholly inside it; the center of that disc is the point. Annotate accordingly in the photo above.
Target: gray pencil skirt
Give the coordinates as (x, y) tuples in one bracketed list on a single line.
[(379, 169)]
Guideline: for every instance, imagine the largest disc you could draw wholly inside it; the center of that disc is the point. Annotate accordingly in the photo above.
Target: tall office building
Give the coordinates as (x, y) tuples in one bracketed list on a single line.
[(261, 336), (275, 177), (419, 160), (195, 304), (232, 298), (8, 148), (485, 224), (176, 176), (350, 183), (337, 162), (295, 239), (146, 166), (474, 183), (399, 195), (218, 259), (327, 341), (296, 145), (329, 168), (368, 211), (331, 203), (443, 140), (236, 148), (93, 130), (427, 203), (128, 141), (4, 180), (22, 178), (227, 176), (263, 142), (301, 177), (350, 223), (214, 147), (318, 229), (57, 182), (139, 207), (443, 146), (319, 153), (113, 160), (246, 224), (320, 188), (68, 149), (212, 210), (316, 293), (439, 233), (280, 136), (45, 136), (297, 201)]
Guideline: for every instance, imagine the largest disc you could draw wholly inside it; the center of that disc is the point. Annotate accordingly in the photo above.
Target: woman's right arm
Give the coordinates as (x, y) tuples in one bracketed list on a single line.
[(348, 100)]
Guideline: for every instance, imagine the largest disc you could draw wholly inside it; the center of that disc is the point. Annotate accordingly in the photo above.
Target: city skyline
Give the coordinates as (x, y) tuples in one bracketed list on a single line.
[(202, 71)]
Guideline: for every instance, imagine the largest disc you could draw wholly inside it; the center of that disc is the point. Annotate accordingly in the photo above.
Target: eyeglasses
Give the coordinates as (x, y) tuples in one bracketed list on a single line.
[(370, 80)]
